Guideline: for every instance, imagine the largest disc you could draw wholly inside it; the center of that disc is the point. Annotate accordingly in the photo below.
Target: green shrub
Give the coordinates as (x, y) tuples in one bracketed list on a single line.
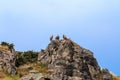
[(26, 57), (10, 46)]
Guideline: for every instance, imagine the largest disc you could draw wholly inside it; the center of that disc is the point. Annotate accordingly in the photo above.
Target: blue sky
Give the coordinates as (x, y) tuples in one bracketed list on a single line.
[(93, 24)]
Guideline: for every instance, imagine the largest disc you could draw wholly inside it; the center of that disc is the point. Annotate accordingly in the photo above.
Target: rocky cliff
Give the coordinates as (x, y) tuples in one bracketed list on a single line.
[(69, 61), (62, 59), (7, 59)]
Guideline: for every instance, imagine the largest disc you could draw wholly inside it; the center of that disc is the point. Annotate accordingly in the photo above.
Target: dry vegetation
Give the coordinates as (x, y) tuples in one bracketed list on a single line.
[(4, 48), (5, 76), (116, 77), (23, 69)]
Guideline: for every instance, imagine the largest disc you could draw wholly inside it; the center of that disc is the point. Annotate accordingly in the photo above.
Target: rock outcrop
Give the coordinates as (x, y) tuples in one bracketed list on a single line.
[(7, 60), (69, 61)]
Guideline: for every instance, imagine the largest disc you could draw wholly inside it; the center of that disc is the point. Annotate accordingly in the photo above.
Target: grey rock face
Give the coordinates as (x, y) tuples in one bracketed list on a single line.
[(7, 61), (69, 61), (106, 74)]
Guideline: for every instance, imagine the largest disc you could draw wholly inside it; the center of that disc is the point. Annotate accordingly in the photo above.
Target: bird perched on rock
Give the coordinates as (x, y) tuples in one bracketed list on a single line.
[(42, 50), (65, 38), (57, 37), (51, 38)]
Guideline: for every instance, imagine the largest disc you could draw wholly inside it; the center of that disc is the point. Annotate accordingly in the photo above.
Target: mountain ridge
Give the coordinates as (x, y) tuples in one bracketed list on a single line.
[(62, 59)]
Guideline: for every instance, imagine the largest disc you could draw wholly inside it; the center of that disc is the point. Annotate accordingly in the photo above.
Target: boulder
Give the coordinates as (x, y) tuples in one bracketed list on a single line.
[(32, 76)]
